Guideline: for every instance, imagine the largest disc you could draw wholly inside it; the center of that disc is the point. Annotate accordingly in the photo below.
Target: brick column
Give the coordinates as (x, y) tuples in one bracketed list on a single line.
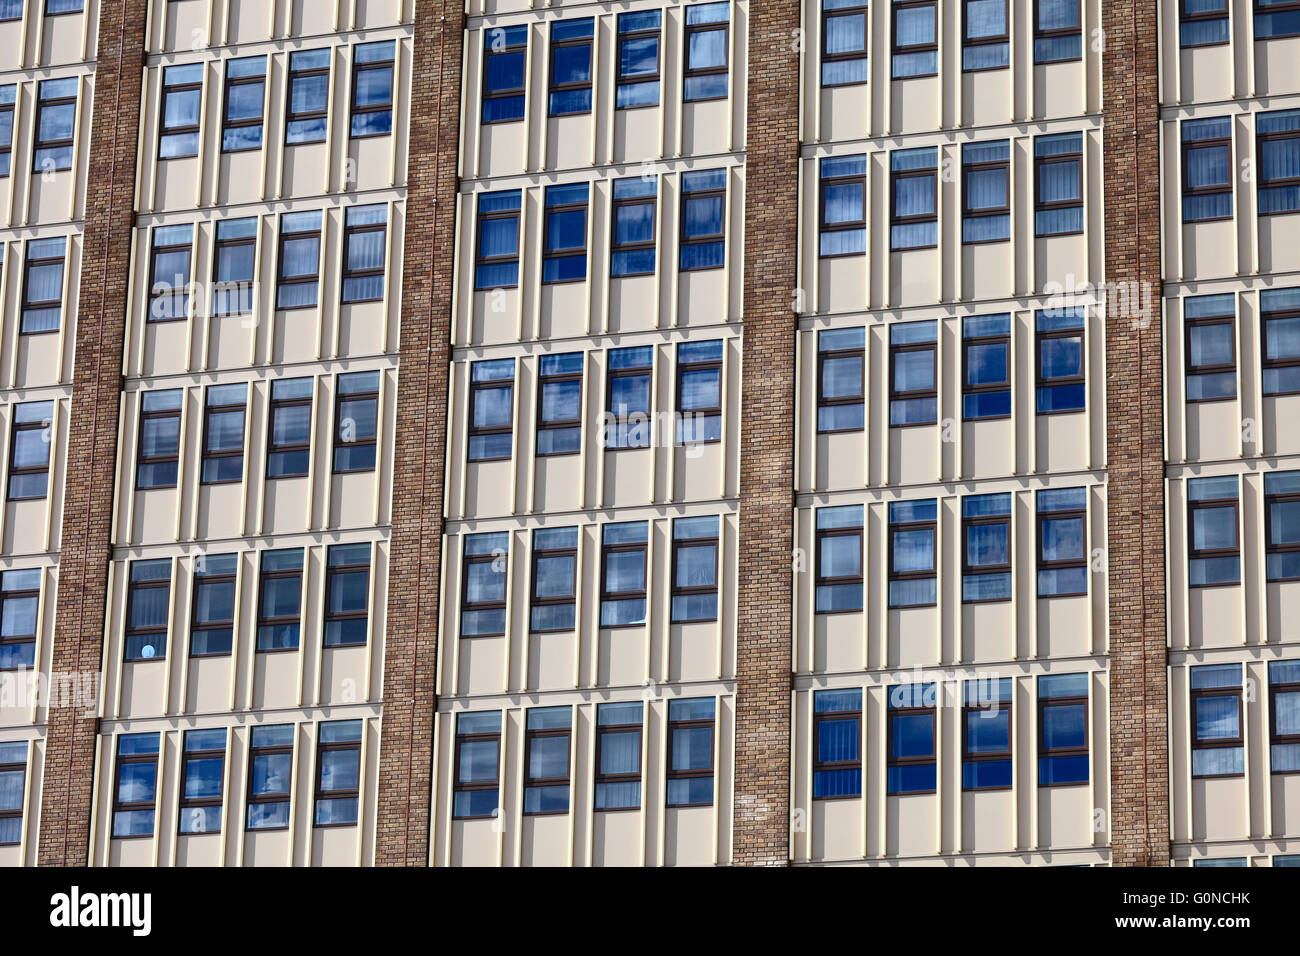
[(84, 551), (411, 642), (1139, 757), (762, 812)]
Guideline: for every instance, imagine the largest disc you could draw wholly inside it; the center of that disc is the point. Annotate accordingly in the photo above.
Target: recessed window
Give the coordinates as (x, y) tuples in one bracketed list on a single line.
[(839, 559), (56, 119), (1207, 169), (486, 572), (1222, 861), (1218, 748), (704, 230), (1276, 18), (843, 206), (182, 94), (707, 51), (559, 406), (986, 40), (1058, 32), (1058, 184), (288, 447), (913, 526), (986, 367), (633, 218), (1203, 22), (203, 762), (1278, 136), (1282, 521), (43, 285), (1284, 712), (492, 410), (241, 128), (695, 569), (169, 287), (1280, 315), (212, 622), (618, 756), (29, 450), (570, 92), (699, 392), (841, 372), (497, 264), (837, 730), (372, 88), (1062, 382), (300, 245), (223, 433), (233, 260), (986, 734), (20, 598), (623, 574), (158, 455), (986, 192), (504, 58), (1062, 542), (1210, 346), (554, 581), (912, 766), (639, 42), (690, 752), (57, 7), (270, 777), (1214, 555), (986, 553), (628, 386), (916, 44), (279, 606), (13, 786), (147, 604), (356, 419), (913, 198), (8, 94), (135, 788), (364, 239), (347, 595), (11, 9), (547, 744), (307, 115), (844, 42), (1062, 729), (565, 256), (338, 773), (478, 766), (913, 388)]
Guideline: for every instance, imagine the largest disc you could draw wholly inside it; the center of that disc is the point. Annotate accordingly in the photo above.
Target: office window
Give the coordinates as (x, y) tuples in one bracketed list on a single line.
[(986, 552), (169, 288), (618, 756), (1276, 18), (986, 191), (1214, 556), (504, 56), (234, 256), (158, 455), (1058, 184), (1278, 135), (1062, 381), (478, 765), (56, 7), (497, 265), (136, 785), (986, 35), (212, 621), (844, 42), (1218, 748), (628, 417), (1207, 169), (1062, 542), (483, 597), (623, 574), (911, 717), (839, 559), (364, 240), (372, 88), (1203, 22), (690, 752), (699, 391), (270, 777), (707, 51), (1282, 521), (492, 412), (20, 597), (1284, 861), (638, 41), (347, 595), (300, 245), (843, 206), (546, 756), (837, 729), (841, 371), (8, 94), (223, 433), (182, 94), (913, 382), (43, 285), (570, 92), (915, 43), (356, 418), (695, 569), (29, 450), (1280, 314), (986, 734), (559, 406), (288, 447), (241, 127), (279, 606), (13, 786), (1062, 729), (633, 240), (56, 117), (203, 762), (704, 231), (554, 584), (1058, 33), (913, 198), (309, 82), (986, 366), (1210, 347), (565, 256), (11, 9), (912, 529), (1284, 712), (338, 774), (147, 601)]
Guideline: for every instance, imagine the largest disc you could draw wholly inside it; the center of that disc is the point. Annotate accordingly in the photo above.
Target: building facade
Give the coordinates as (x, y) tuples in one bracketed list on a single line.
[(649, 433)]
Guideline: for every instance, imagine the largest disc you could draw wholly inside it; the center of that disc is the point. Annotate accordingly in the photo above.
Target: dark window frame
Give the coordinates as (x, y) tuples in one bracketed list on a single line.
[(340, 397), (1287, 182), (1189, 16), (227, 123), (895, 8), (137, 805), (332, 571), (1003, 38), (559, 424), (1274, 738), (459, 786), (44, 145), (1053, 205), (690, 72), (570, 86), (1041, 336), (571, 599), (231, 578), (693, 774), (265, 620), (40, 304), (466, 605), (195, 128), (16, 470), (607, 549), (1008, 567), (1044, 751), (619, 80), (286, 796), (568, 252), (225, 287), (480, 260), (1194, 553), (915, 394), (689, 590), (312, 279), (932, 574), (1185, 147), (985, 212), (702, 413), (892, 711), (860, 353), (855, 225), (1040, 34), (169, 291), (16, 767), (830, 766), (189, 803), (291, 117), (1195, 695), (641, 245), (1060, 563), (836, 13), (142, 459), (475, 431), (206, 454), (6, 149), (1220, 368), (985, 387), (619, 421), (683, 241), (18, 640), (349, 232), (1277, 363), (371, 66), (272, 448), (133, 587), (602, 730), (1276, 8), (351, 793), (1271, 547), (988, 756), (820, 580), (505, 93), (531, 734), (930, 172)]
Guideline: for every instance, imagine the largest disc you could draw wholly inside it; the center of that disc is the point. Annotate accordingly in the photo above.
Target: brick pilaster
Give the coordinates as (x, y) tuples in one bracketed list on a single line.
[(410, 654), (1139, 758), (762, 812)]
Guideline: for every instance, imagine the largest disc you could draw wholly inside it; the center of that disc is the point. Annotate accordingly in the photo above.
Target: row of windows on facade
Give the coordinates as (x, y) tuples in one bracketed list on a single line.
[(1211, 351), (13, 9), (1209, 173), (1217, 693), (1213, 516), (1205, 22)]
